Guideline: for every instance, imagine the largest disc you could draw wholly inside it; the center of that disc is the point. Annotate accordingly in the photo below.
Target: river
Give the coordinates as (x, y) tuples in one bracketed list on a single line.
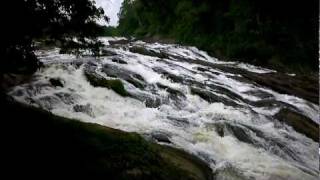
[(182, 97)]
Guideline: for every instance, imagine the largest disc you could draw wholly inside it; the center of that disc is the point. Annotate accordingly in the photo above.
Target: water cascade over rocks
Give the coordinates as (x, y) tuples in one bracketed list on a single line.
[(226, 113)]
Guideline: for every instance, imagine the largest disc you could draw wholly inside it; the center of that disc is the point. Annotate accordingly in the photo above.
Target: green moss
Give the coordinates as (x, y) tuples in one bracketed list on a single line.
[(116, 85)]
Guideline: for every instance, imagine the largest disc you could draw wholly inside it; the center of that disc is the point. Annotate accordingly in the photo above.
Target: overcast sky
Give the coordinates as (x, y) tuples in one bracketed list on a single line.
[(111, 9)]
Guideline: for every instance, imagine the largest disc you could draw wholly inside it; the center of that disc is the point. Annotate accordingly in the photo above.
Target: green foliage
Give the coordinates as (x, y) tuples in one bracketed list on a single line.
[(110, 31), (282, 34), (24, 21)]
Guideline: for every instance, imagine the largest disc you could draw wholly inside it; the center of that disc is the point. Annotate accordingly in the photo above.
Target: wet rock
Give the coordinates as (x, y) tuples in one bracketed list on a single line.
[(131, 77), (161, 137), (202, 69), (181, 122), (189, 163), (242, 133), (77, 63), (118, 60), (153, 102), (220, 129), (301, 86), (87, 109), (300, 123), (99, 81), (56, 82), (212, 98), (47, 102), (168, 75), (106, 52), (229, 173), (10, 80), (66, 98), (306, 87), (227, 92), (174, 94), (260, 94), (119, 42), (147, 52)]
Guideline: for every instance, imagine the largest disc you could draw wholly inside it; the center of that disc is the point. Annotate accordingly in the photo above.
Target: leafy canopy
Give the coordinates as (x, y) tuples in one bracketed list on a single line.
[(24, 21)]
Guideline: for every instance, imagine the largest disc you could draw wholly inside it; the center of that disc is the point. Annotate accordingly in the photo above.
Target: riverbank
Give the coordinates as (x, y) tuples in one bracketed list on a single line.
[(39, 144)]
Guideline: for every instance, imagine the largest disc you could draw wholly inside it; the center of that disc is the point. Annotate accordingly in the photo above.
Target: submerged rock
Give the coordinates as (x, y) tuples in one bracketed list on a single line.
[(300, 123), (161, 137), (56, 82), (212, 98), (229, 173), (152, 102), (240, 132), (173, 93), (87, 109), (118, 60)]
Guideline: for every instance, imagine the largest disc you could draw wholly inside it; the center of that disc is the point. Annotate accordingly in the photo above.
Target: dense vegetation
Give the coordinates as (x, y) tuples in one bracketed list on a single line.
[(58, 21), (281, 34)]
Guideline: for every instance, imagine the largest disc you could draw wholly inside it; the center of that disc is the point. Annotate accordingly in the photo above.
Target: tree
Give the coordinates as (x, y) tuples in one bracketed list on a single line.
[(280, 34), (25, 21)]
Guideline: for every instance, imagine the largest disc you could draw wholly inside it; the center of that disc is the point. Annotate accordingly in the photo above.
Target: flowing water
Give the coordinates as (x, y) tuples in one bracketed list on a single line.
[(177, 97)]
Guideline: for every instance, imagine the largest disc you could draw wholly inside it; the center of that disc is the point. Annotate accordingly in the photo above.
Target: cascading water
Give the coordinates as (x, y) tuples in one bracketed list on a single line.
[(177, 97)]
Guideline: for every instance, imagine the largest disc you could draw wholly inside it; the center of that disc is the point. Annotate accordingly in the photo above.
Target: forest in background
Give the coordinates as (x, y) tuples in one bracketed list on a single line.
[(278, 34)]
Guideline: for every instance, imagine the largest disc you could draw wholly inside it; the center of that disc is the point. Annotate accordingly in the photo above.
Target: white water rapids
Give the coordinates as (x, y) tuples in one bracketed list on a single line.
[(254, 144)]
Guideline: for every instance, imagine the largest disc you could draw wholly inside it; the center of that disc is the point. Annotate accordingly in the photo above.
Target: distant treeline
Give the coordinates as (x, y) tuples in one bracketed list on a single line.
[(277, 33)]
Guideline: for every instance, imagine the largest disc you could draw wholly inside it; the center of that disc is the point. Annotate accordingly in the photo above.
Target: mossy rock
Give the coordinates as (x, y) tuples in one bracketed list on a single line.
[(116, 84)]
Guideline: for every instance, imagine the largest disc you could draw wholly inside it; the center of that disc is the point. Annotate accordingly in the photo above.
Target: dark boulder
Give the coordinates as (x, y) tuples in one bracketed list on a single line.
[(161, 137), (56, 82), (300, 123), (118, 60)]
